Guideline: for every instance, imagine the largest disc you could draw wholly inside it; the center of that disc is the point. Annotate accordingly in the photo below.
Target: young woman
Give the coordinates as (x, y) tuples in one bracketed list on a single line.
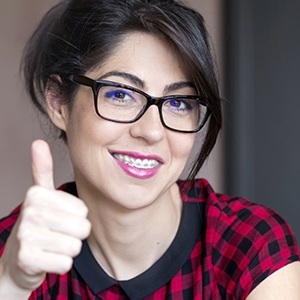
[(128, 84)]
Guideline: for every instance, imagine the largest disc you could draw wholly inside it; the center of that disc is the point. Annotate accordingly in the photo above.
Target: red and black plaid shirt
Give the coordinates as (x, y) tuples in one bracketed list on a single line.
[(223, 249)]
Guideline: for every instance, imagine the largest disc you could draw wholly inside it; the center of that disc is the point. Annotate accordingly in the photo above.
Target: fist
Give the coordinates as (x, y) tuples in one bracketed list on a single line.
[(49, 230)]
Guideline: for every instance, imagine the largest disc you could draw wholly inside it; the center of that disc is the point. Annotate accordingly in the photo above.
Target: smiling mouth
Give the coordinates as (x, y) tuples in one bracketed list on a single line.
[(137, 162)]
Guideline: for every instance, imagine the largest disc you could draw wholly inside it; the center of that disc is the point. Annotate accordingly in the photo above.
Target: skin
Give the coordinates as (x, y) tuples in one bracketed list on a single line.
[(282, 284), (91, 141), (46, 236), (51, 220), (52, 223)]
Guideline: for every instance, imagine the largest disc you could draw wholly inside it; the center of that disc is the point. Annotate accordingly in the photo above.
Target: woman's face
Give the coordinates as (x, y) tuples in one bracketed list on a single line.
[(100, 149)]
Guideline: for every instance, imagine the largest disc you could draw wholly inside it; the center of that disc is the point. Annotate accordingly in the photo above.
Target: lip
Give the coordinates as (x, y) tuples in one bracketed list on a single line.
[(133, 171)]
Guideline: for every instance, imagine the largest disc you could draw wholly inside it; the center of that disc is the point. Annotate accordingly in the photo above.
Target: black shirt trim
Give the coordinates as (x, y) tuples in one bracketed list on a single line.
[(156, 276)]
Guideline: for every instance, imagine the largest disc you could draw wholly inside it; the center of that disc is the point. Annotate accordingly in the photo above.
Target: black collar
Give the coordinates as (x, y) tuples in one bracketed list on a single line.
[(156, 276)]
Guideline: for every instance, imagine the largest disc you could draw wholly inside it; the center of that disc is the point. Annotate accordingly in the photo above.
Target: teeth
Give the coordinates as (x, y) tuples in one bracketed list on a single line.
[(137, 162)]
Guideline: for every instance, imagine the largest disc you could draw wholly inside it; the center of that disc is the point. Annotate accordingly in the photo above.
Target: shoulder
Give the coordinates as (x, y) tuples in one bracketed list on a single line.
[(233, 216), (245, 241)]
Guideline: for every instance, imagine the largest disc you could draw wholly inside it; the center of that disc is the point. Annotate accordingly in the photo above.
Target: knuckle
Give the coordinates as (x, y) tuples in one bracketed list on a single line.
[(84, 229), (76, 247), (88, 228), (32, 216), (77, 206), (32, 194), (81, 207), (25, 261), (24, 236), (65, 265), (84, 209), (72, 247)]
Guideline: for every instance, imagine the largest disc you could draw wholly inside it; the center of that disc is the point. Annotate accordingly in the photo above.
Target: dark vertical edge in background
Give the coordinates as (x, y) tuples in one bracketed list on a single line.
[(262, 106), (238, 106)]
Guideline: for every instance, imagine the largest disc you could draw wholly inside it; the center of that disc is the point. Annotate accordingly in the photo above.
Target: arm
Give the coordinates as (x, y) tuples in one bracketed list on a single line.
[(47, 234), (282, 284)]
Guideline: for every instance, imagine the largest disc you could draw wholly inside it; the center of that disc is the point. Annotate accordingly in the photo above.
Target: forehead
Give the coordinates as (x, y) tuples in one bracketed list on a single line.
[(146, 56)]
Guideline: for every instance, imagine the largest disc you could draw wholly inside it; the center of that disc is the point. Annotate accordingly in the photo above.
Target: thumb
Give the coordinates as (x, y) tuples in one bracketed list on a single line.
[(42, 164)]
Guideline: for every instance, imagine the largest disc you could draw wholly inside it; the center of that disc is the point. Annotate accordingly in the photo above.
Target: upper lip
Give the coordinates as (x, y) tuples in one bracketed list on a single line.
[(138, 155)]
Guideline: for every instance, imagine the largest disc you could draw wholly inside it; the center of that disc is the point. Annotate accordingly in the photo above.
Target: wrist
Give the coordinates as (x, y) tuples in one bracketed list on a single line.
[(9, 290)]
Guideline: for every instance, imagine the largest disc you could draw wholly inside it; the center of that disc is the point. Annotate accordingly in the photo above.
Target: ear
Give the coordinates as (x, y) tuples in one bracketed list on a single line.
[(56, 109)]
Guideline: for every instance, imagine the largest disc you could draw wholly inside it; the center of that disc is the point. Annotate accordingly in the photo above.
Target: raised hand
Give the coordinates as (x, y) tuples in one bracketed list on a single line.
[(47, 235)]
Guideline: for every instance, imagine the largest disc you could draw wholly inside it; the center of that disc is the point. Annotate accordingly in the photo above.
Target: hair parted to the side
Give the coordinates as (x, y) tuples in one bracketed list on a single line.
[(76, 36)]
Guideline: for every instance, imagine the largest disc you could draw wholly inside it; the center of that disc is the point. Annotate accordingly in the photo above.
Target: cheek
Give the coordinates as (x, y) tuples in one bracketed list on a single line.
[(83, 121), (182, 145), (85, 129)]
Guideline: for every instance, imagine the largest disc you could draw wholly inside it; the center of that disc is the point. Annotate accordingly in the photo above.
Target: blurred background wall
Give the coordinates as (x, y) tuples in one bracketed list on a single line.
[(19, 123), (262, 80), (256, 44)]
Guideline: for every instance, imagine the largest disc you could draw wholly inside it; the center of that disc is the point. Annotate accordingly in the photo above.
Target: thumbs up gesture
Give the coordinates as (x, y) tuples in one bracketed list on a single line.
[(48, 232)]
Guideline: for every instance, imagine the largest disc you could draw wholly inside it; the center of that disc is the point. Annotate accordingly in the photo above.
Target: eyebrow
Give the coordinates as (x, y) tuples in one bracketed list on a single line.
[(141, 84), (177, 86), (132, 78)]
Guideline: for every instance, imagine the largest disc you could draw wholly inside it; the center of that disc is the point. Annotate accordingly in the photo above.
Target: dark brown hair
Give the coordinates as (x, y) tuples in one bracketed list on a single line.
[(76, 36)]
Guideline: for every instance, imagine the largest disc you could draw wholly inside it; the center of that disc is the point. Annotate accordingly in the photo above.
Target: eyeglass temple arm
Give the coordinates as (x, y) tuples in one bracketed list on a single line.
[(82, 80)]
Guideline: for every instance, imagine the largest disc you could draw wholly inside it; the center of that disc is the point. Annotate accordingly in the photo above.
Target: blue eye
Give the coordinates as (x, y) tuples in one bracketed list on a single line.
[(118, 95), (175, 103), (179, 104)]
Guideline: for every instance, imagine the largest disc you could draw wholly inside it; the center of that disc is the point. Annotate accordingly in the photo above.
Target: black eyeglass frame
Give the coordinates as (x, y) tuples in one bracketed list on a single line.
[(158, 101)]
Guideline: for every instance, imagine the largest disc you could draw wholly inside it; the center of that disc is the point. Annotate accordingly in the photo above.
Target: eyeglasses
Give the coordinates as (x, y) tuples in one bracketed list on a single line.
[(125, 104)]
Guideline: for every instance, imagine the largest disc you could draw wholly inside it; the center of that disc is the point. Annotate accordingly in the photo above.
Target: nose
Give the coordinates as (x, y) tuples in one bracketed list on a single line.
[(149, 126)]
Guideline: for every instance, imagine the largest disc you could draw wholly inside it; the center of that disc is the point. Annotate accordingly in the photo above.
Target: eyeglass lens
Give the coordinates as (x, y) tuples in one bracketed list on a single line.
[(124, 105)]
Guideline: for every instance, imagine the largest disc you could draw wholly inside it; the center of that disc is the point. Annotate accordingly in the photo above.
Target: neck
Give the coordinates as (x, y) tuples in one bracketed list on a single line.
[(127, 242)]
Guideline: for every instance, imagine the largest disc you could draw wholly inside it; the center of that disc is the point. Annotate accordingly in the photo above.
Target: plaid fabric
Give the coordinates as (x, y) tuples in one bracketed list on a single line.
[(224, 248)]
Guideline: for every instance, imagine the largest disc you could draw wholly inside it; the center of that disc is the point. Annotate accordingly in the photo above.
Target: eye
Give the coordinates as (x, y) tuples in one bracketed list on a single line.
[(119, 95), (179, 105)]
